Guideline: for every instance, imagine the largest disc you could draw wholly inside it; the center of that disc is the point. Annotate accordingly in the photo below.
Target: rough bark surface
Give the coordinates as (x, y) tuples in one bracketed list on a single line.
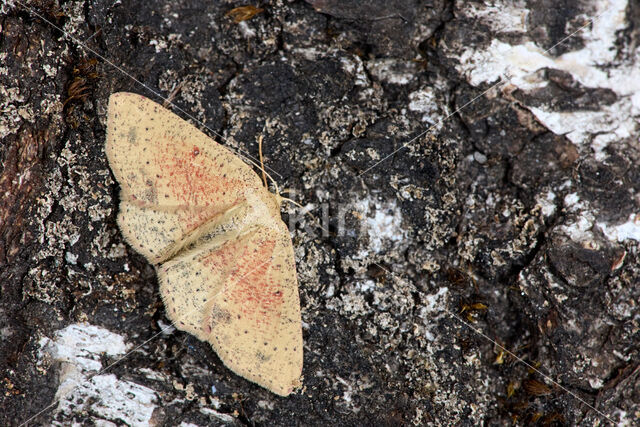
[(518, 212)]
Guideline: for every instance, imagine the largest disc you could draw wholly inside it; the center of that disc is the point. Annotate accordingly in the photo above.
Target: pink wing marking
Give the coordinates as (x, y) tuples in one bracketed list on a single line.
[(250, 290), (192, 181)]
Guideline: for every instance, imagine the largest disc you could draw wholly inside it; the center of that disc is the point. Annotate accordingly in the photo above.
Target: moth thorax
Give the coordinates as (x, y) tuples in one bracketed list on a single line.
[(263, 206)]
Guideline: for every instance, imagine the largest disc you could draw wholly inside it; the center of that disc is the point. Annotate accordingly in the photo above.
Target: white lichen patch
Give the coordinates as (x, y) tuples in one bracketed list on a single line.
[(75, 22), (572, 202), (434, 302), (111, 399), (78, 349), (595, 65), (10, 117), (382, 223), (432, 306), (629, 230), (225, 418), (354, 66), (547, 203), (390, 70), (580, 229), (520, 61), (424, 101), (77, 196), (82, 344), (505, 17)]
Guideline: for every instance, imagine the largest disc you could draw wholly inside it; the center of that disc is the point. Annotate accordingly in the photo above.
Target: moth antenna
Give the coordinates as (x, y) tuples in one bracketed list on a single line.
[(292, 202), (265, 174), (288, 190)]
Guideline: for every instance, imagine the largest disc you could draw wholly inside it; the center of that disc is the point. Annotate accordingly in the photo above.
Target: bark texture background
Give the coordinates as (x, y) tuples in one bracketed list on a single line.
[(518, 214)]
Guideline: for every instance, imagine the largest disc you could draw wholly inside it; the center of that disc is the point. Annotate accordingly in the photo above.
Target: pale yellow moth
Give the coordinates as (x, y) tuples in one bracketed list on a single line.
[(212, 230)]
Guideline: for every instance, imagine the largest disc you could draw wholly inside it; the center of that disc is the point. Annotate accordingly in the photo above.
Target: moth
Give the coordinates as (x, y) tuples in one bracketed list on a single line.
[(212, 230)]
